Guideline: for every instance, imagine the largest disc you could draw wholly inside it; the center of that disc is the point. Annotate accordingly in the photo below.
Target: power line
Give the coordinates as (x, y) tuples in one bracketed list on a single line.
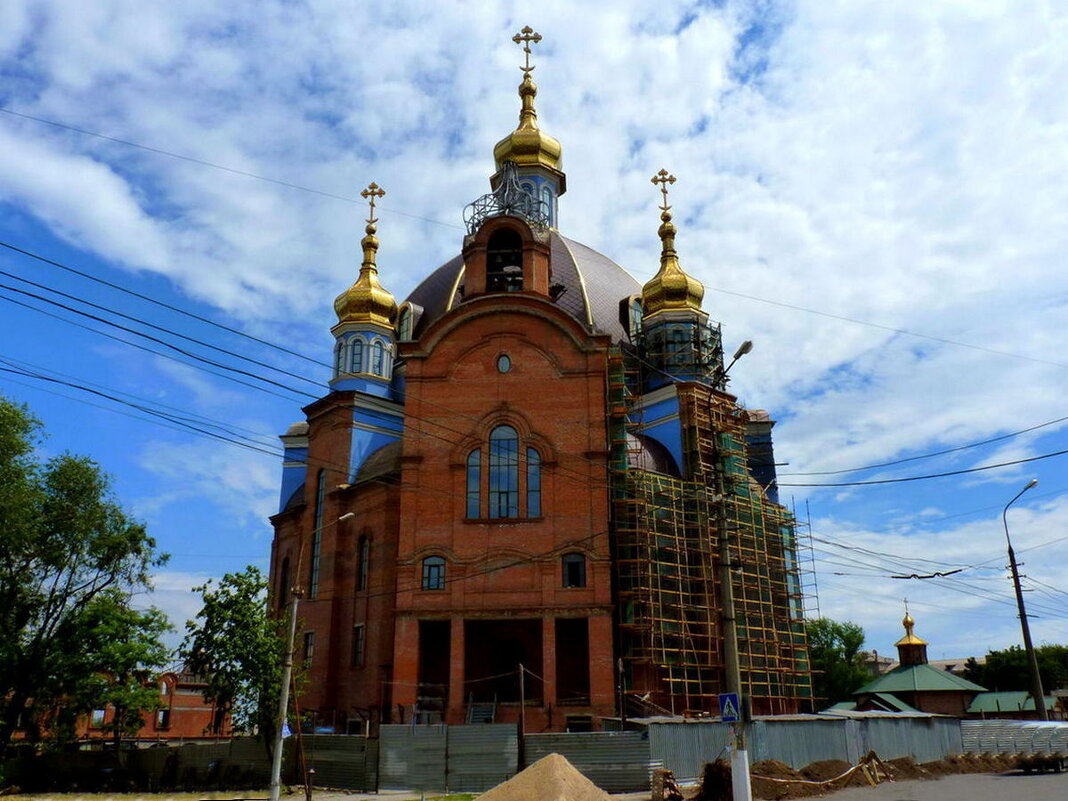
[(929, 455), (931, 475), (204, 163), (157, 302), (906, 332)]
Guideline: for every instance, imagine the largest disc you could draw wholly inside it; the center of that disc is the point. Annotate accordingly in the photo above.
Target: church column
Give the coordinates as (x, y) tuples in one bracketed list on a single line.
[(548, 660), (602, 664), (457, 689), (406, 665)]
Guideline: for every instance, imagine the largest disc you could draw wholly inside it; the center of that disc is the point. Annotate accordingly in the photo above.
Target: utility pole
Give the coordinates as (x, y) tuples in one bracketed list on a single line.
[(295, 592), (1032, 658), (740, 783)]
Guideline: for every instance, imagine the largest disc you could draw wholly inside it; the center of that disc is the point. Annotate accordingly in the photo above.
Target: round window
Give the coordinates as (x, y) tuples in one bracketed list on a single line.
[(504, 364)]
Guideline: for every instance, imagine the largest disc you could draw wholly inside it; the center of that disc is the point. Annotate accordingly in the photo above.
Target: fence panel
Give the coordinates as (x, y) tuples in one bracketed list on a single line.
[(340, 761), (1014, 736), (481, 757), (618, 762), (684, 748), (801, 742), (412, 757)]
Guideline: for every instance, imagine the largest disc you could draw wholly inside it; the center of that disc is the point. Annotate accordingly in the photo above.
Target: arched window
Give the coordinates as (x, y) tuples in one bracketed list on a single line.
[(404, 324), (504, 261), (474, 480), (504, 472), (574, 569), (363, 561), (533, 483), (387, 361), (549, 205), (635, 318), (434, 573), (377, 357), (356, 348), (317, 537), (339, 358)]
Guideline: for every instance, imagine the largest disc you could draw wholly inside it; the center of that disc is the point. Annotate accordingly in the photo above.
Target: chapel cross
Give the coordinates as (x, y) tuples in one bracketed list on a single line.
[(663, 179), (373, 191), (526, 36)]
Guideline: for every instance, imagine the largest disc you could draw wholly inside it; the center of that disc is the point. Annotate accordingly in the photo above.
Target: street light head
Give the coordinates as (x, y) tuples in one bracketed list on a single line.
[(743, 349), (346, 516), (1032, 483)]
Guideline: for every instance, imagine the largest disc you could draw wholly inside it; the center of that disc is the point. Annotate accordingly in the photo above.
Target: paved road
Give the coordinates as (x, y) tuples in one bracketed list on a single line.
[(966, 787)]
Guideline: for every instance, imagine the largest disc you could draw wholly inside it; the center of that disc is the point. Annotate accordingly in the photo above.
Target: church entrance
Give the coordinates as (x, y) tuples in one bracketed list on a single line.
[(493, 651)]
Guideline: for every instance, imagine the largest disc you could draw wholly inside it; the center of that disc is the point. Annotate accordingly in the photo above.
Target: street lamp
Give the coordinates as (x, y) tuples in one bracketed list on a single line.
[(287, 670), (1036, 678), (743, 349)]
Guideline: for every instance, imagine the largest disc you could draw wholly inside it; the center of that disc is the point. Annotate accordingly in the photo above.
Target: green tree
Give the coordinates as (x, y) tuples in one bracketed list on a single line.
[(1009, 669), (837, 663), (238, 647), (69, 557)]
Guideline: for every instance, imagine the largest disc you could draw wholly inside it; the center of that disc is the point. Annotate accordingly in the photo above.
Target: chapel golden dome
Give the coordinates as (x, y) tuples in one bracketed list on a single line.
[(910, 638), (671, 288), (367, 301)]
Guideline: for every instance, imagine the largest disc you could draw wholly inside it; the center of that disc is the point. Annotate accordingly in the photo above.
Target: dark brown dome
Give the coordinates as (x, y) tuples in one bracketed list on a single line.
[(594, 286)]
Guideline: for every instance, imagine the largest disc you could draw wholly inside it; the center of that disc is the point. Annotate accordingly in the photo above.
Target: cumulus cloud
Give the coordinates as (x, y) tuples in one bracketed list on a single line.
[(848, 173)]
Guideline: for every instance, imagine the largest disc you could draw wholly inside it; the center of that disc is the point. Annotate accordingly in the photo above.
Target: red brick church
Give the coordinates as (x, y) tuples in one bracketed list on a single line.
[(532, 461)]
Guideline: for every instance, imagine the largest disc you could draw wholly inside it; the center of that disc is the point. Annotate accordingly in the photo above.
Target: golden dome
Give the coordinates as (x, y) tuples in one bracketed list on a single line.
[(528, 145), (670, 288), (367, 301), (909, 638)]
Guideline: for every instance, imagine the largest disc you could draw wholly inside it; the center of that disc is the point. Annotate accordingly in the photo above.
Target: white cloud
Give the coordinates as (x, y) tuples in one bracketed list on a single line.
[(901, 164)]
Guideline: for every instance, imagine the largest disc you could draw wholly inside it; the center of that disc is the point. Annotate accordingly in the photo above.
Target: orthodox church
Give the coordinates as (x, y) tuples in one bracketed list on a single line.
[(528, 484)]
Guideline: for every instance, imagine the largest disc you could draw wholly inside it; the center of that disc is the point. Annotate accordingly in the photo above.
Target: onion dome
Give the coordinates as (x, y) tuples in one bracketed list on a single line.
[(910, 638), (671, 288), (367, 301), (528, 145)]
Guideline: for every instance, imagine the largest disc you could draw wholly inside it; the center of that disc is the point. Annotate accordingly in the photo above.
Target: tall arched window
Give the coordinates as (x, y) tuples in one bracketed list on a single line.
[(533, 483), (317, 537), (504, 261), (377, 358), (283, 583), (504, 472), (550, 206), (474, 481), (339, 358), (356, 347), (404, 324), (363, 561)]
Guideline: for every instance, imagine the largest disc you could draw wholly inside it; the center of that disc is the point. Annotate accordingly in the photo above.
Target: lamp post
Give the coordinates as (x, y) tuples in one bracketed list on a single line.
[(287, 671), (1036, 678), (741, 786)]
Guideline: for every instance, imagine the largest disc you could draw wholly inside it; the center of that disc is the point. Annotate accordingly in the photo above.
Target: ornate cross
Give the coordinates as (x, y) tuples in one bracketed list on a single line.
[(373, 191), (663, 179), (526, 36)]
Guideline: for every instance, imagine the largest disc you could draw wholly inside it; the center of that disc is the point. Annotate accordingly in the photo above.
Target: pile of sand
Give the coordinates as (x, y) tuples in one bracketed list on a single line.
[(551, 778)]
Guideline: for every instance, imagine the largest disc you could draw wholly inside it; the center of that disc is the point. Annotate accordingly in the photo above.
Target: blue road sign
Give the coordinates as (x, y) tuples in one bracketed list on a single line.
[(728, 707)]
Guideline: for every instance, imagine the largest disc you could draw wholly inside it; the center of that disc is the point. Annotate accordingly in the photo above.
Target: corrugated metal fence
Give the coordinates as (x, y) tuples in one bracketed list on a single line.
[(1015, 736), (440, 757), (616, 761), (344, 761), (684, 747)]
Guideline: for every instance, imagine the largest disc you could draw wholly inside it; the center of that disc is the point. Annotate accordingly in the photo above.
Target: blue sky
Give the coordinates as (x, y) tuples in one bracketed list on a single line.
[(874, 193)]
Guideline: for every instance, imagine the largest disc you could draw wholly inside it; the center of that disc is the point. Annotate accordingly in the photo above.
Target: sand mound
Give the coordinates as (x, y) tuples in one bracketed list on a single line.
[(551, 778)]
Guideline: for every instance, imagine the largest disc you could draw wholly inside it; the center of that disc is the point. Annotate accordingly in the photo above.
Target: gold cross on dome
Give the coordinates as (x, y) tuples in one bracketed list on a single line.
[(526, 36), (663, 179), (373, 191)]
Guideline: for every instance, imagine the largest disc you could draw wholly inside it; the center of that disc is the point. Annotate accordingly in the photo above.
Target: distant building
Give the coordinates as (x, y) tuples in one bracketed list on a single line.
[(1012, 705), (183, 716), (915, 685)]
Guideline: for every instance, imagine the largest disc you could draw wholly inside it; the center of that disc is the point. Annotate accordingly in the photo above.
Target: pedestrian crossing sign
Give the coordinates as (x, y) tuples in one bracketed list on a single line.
[(728, 707)]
